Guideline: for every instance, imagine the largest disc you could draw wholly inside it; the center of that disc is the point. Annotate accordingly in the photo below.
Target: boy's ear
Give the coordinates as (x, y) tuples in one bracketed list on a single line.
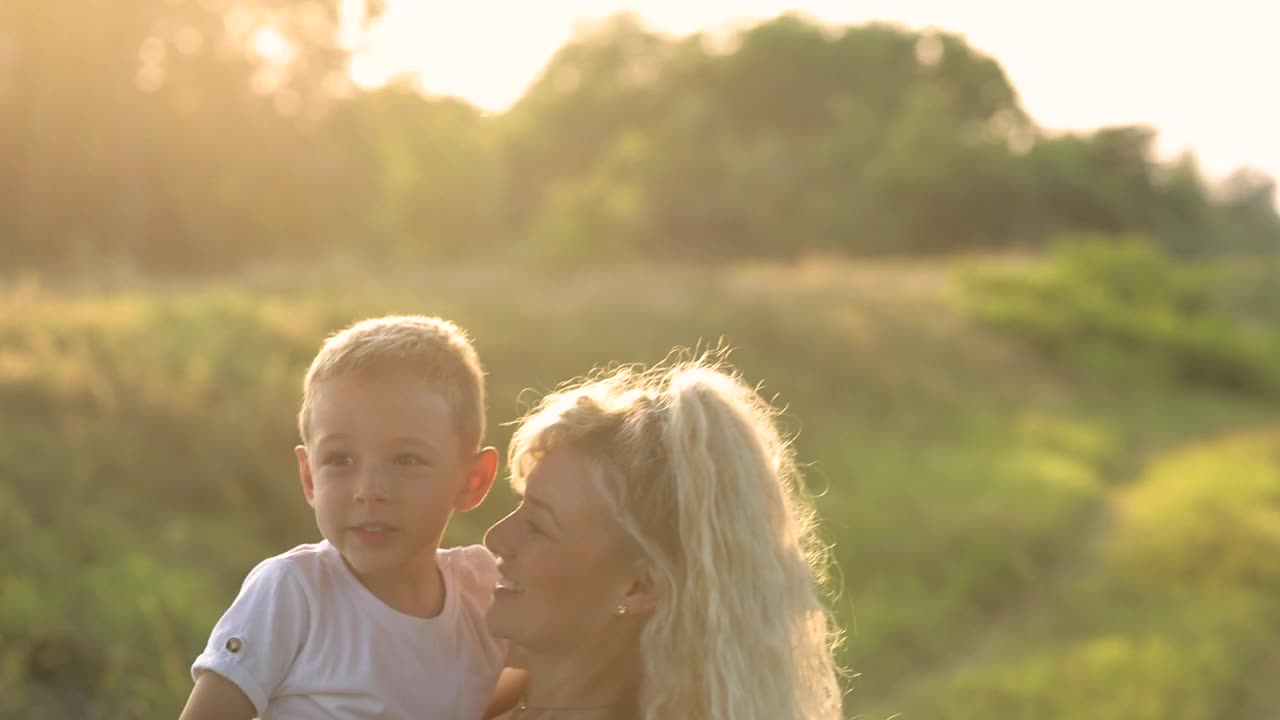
[(304, 475), (480, 472)]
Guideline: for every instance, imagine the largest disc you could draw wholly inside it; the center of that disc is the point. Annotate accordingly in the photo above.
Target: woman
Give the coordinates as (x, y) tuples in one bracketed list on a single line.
[(662, 562)]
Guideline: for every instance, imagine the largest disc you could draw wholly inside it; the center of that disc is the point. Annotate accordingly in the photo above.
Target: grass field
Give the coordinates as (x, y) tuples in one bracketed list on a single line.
[(1018, 535)]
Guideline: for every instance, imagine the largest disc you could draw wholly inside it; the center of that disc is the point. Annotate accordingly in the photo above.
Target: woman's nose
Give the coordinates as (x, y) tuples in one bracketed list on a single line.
[(495, 538)]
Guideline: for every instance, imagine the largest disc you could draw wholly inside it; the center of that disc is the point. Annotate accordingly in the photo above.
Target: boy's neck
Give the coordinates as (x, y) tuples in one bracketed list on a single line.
[(419, 592)]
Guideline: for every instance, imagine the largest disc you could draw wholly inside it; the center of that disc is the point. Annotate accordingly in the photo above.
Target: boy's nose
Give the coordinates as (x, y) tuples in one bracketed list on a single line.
[(370, 486)]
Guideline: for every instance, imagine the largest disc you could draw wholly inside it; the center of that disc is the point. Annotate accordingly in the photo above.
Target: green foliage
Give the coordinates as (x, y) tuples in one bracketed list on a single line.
[(1205, 520), (1123, 306), (969, 491), (1176, 620), (168, 141)]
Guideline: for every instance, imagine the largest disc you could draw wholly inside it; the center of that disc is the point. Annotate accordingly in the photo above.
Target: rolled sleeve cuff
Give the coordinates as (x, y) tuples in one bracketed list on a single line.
[(228, 667)]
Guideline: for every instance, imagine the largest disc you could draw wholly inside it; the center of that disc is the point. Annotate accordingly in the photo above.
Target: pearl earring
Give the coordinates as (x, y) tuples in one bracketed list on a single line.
[(622, 610)]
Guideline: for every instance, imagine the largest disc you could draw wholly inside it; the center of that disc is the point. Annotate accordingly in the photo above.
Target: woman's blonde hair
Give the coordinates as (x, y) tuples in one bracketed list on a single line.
[(700, 478)]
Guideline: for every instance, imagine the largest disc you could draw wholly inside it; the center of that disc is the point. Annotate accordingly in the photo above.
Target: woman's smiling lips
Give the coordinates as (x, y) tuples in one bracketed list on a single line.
[(506, 585)]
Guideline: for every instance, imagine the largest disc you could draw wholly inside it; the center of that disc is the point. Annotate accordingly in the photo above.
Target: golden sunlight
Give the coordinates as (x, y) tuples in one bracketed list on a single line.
[(488, 51), (368, 72), (272, 46)]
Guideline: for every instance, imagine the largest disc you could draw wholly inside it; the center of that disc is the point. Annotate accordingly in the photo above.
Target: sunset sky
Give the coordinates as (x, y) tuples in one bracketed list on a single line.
[(1203, 73)]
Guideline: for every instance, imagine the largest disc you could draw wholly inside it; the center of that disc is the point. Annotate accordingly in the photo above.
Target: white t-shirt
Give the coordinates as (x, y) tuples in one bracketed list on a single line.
[(304, 639)]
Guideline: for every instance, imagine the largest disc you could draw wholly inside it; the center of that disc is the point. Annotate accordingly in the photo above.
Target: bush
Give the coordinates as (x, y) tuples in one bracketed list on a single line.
[(1121, 306)]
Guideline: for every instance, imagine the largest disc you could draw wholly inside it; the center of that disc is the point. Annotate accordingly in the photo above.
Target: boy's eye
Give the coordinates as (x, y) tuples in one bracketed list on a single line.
[(533, 526), (338, 459), (410, 459)]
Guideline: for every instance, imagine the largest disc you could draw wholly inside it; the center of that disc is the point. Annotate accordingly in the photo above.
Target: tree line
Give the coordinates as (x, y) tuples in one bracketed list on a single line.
[(158, 133)]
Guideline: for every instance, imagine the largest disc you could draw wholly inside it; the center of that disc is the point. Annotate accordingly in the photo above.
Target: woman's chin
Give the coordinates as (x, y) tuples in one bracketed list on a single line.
[(499, 621)]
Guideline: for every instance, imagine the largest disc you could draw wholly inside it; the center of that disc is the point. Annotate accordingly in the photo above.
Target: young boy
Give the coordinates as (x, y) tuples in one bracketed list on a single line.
[(374, 621)]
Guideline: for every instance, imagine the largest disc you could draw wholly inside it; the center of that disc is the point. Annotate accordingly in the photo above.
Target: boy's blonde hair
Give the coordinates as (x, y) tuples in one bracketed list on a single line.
[(426, 348), (690, 461)]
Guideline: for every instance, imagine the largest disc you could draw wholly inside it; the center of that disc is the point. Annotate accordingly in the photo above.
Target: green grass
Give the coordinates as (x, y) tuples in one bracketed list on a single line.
[(1176, 616), (985, 503)]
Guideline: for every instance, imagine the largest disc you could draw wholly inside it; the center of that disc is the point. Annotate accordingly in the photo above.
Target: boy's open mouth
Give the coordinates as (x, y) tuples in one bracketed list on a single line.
[(374, 533), (373, 527)]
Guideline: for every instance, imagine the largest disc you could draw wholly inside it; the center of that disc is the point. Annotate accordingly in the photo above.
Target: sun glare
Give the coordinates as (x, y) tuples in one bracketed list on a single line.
[(271, 46), (368, 72), (488, 51)]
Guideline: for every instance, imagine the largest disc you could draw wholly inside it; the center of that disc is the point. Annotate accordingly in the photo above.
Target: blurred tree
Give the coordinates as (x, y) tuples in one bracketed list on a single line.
[(1184, 215), (800, 138), (601, 84), (1247, 200), (422, 176), (154, 136), (1100, 181), (214, 133)]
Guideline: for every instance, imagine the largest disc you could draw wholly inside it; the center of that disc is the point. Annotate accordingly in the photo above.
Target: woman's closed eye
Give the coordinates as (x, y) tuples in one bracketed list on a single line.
[(529, 515), (536, 526)]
